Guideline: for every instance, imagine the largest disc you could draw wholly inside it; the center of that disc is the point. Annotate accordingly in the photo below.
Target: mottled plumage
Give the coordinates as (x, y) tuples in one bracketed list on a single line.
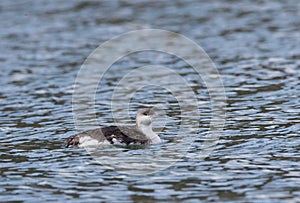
[(141, 133)]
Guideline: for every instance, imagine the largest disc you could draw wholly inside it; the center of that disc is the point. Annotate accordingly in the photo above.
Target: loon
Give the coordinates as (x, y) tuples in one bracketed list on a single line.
[(141, 133)]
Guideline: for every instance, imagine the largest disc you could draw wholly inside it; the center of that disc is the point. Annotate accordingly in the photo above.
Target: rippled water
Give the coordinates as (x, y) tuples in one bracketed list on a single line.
[(255, 45)]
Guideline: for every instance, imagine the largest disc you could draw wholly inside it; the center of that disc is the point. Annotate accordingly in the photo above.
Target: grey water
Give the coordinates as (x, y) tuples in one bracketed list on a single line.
[(254, 44)]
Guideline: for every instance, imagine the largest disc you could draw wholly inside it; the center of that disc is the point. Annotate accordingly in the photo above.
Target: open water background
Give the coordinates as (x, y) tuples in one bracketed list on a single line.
[(255, 45)]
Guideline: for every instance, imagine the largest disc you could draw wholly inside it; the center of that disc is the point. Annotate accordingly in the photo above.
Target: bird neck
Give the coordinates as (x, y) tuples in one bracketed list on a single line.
[(147, 130)]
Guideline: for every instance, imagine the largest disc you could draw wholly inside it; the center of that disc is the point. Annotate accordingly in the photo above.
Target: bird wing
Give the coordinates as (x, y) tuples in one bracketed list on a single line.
[(113, 134), (124, 135)]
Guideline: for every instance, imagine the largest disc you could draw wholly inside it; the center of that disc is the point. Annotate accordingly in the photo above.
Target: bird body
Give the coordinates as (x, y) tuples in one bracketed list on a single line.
[(141, 133)]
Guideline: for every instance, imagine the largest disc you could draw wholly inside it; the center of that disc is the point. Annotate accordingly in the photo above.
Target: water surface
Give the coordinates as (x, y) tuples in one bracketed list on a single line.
[(255, 45)]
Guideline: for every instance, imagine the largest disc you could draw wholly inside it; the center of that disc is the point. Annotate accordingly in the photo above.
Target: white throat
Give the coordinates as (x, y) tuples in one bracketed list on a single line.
[(152, 136)]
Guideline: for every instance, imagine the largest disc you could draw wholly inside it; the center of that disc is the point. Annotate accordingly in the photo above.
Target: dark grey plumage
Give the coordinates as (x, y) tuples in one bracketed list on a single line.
[(141, 133), (113, 134)]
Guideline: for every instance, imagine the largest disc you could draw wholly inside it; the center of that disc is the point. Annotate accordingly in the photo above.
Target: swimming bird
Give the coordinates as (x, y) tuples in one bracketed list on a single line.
[(141, 133)]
